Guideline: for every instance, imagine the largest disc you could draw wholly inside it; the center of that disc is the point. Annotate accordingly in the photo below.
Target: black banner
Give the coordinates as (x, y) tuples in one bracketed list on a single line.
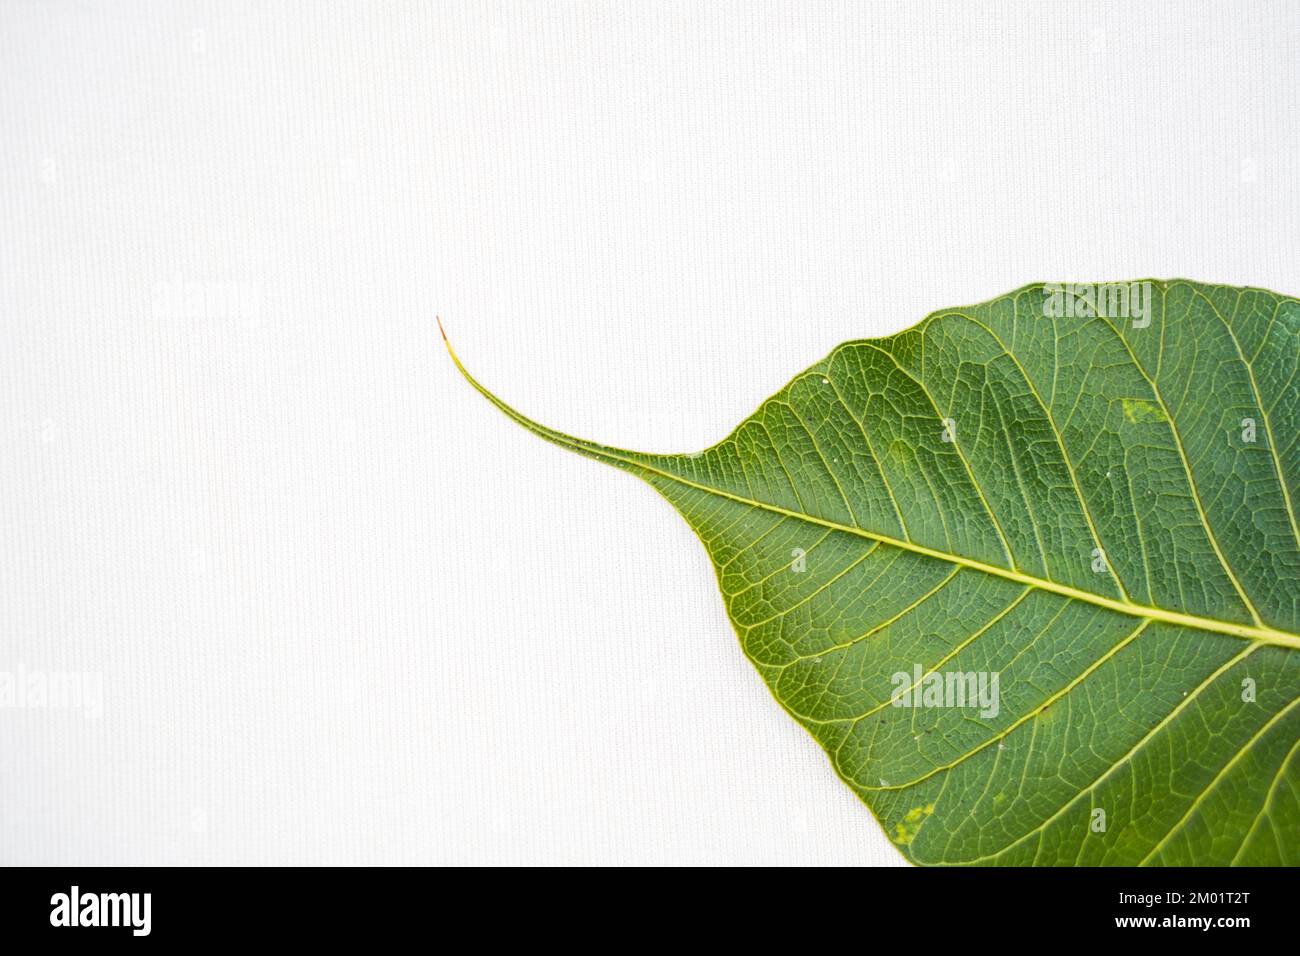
[(877, 906)]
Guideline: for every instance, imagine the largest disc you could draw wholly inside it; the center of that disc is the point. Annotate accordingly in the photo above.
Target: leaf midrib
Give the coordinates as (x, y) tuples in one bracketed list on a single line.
[(1260, 633)]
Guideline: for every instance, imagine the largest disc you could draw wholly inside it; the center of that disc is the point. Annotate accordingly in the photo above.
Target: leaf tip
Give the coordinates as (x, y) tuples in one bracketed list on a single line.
[(447, 342)]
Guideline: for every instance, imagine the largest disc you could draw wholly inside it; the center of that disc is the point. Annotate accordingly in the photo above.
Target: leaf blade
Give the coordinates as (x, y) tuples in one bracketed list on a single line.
[(979, 548)]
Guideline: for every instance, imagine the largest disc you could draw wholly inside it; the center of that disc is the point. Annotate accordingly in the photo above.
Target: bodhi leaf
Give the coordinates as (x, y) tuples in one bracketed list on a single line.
[(1030, 571)]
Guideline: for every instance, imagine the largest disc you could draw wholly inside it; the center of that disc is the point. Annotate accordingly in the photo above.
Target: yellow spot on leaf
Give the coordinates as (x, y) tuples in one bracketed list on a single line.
[(905, 830), (1139, 410)]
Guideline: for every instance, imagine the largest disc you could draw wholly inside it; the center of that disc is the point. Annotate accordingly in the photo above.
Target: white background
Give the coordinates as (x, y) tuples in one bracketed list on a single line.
[(344, 611)]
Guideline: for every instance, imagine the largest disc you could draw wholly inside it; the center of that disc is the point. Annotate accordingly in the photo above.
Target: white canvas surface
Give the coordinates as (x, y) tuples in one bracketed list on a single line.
[(326, 605)]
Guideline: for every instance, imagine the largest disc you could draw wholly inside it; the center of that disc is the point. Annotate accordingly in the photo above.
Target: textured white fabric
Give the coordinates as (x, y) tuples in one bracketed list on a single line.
[(337, 608)]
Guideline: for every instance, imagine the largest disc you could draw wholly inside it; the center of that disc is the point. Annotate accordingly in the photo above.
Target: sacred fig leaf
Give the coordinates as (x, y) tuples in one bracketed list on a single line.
[(1029, 571)]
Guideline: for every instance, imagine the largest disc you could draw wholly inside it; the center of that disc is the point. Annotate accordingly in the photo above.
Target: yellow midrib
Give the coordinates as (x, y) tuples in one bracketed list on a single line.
[(1262, 633)]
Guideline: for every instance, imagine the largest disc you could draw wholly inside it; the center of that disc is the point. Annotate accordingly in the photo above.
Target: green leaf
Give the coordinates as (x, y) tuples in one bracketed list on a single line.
[(1082, 498)]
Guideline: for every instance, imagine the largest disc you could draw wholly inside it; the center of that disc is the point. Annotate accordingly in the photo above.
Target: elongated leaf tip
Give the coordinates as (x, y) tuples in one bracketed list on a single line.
[(452, 352), (447, 342)]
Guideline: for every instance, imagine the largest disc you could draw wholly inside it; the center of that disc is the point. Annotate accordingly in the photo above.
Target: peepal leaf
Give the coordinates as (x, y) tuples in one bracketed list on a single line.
[(1029, 571)]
